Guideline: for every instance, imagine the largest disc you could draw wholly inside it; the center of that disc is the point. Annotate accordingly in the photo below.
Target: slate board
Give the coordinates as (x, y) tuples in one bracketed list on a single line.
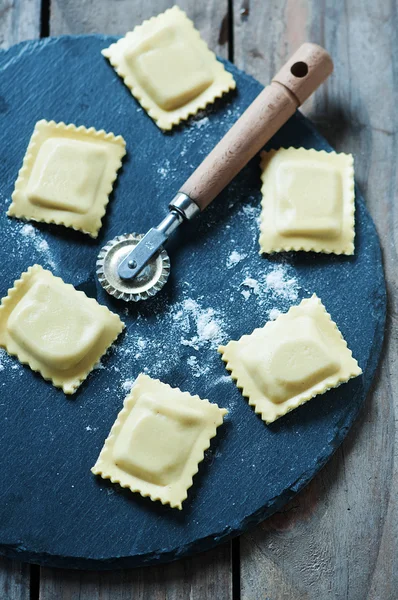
[(52, 510)]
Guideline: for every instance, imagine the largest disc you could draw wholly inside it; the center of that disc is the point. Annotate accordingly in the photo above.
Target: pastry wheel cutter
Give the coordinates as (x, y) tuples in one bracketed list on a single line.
[(135, 267)]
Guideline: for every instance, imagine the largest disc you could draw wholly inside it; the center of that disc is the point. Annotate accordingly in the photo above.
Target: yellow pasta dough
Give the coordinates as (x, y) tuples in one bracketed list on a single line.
[(169, 68), (158, 440), (55, 329), (290, 360), (67, 176), (308, 201)]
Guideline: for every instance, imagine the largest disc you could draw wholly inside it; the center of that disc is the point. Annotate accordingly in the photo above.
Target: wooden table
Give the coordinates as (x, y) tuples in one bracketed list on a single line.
[(338, 539)]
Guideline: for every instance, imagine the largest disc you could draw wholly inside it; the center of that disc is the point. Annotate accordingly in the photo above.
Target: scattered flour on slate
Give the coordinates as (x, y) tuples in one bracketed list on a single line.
[(43, 246), (141, 343), (197, 368), (203, 122), (29, 236), (252, 285), (252, 211), (274, 314), (28, 231), (223, 379), (208, 324), (164, 170), (234, 258), (98, 365), (89, 428), (188, 323), (278, 284), (10, 364), (127, 385)]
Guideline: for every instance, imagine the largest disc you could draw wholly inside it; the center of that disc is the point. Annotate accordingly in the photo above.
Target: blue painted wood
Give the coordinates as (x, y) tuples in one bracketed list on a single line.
[(52, 510)]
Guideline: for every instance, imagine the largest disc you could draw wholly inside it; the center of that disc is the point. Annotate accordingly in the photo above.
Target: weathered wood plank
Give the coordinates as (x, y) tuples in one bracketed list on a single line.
[(14, 580), (118, 16), (209, 575), (19, 20), (338, 539), (204, 577)]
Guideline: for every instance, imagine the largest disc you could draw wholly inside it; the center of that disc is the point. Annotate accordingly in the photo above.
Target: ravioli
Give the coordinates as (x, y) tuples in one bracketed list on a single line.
[(290, 360), (308, 201), (55, 329), (158, 440), (168, 68), (67, 176)]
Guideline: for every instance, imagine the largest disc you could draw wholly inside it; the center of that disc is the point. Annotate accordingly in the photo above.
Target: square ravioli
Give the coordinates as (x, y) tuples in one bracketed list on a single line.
[(290, 360), (67, 176), (169, 68), (158, 441), (55, 329), (308, 201)]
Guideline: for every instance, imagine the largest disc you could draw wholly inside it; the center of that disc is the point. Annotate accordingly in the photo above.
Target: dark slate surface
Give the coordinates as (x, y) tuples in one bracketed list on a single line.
[(52, 510)]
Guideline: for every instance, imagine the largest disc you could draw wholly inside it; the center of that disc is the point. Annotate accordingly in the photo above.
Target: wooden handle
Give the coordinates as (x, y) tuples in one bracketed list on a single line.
[(291, 86)]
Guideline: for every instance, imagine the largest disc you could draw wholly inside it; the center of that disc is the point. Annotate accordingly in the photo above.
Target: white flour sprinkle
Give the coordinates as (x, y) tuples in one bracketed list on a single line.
[(251, 211), (188, 323), (196, 368), (6, 361), (43, 246), (164, 170), (277, 284), (234, 258), (274, 314), (141, 343), (209, 327), (223, 379), (98, 365), (252, 284), (201, 122), (282, 286), (28, 232), (127, 385)]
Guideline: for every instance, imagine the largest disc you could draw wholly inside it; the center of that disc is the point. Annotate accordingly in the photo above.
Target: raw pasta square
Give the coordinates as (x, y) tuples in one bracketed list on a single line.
[(158, 441), (55, 329), (308, 201), (290, 360), (67, 176), (169, 68)]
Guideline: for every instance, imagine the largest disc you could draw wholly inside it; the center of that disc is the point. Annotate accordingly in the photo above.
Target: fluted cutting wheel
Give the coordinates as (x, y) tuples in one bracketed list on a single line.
[(147, 283)]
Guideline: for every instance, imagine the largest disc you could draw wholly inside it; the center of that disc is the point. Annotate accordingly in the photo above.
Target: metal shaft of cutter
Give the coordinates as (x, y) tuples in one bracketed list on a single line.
[(181, 208)]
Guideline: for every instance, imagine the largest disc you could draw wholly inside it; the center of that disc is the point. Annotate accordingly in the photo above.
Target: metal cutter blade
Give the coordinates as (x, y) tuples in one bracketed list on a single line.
[(146, 284), (135, 267)]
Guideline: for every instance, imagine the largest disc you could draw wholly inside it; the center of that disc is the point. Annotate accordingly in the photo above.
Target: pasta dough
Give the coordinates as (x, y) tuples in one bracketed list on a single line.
[(56, 330), (67, 176), (158, 440), (169, 68), (290, 360), (308, 201)]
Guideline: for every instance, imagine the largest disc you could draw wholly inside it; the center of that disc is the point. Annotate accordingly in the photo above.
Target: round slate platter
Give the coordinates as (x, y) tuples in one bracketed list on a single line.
[(52, 509)]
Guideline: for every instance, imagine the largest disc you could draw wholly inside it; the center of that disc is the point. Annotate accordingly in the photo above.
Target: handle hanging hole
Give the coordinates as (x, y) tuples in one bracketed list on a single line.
[(299, 69)]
